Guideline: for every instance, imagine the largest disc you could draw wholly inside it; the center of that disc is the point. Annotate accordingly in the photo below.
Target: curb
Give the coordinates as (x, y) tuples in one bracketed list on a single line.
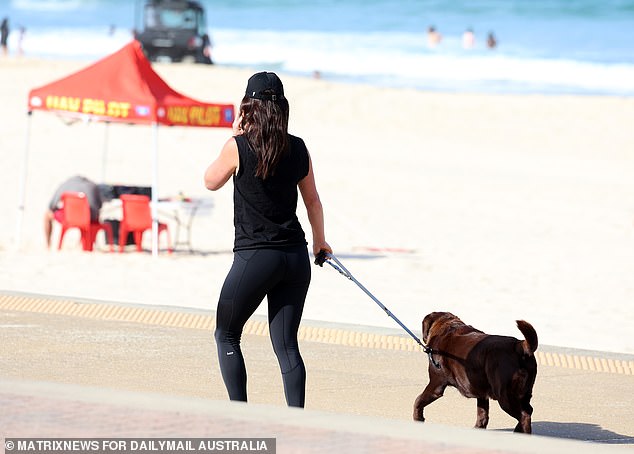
[(322, 334)]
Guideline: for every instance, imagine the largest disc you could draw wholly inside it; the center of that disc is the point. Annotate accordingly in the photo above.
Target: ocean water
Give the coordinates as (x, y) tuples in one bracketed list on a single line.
[(544, 46)]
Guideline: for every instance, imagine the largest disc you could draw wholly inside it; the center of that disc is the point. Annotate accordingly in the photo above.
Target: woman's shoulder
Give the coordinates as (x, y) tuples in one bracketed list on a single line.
[(243, 145), (240, 140), (299, 154), (296, 142), (293, 138)]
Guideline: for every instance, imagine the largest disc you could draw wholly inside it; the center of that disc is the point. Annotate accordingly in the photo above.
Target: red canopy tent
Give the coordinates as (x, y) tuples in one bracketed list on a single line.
[(123, 87)]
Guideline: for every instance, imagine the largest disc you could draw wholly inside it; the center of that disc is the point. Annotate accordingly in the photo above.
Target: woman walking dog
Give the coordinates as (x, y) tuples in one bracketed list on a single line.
[(270, 250)]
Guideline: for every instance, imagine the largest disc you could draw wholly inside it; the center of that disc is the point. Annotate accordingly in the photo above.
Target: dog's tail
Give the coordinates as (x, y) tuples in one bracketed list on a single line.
[(529, 345)]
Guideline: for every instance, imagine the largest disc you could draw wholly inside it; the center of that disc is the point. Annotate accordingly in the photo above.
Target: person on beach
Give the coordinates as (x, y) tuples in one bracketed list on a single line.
[(271, 258), (22, 33), (468, 39), (433, 36), (492, 42), (75, 183), (4, 36)]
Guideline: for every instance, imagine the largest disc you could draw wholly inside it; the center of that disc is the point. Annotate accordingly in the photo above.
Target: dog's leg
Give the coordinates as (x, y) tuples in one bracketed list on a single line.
[(527, 412), (524, 425), (482, 419), (433, 391), (513, 406)]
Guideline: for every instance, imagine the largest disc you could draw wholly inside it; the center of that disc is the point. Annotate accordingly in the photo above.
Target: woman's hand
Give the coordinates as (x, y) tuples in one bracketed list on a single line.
[(323, 246), (237, 126), (322, 253)]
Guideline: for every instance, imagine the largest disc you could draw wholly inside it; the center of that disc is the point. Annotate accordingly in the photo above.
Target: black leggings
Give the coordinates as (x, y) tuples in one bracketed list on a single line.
[(283, 275)]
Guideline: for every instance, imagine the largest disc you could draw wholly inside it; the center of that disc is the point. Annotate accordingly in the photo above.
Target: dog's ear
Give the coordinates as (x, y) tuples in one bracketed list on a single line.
[(427, 322)]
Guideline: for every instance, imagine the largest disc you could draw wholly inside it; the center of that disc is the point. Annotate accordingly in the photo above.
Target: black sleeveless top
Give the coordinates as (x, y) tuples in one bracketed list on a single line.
[(264, 211)]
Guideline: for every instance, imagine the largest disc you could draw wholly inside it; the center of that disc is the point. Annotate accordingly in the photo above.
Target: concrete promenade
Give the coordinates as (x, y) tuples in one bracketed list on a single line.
[(77, 368)]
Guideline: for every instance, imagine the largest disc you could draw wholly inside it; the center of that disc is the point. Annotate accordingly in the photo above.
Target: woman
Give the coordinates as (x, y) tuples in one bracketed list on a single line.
[(4, 36), (270, 252)]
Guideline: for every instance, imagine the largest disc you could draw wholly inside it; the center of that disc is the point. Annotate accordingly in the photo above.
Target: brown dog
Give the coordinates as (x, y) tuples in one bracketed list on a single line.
[(480, 365)]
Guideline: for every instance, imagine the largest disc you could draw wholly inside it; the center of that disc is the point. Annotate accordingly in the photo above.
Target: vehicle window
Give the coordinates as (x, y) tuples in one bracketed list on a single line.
[(151, 18), (170, 18)]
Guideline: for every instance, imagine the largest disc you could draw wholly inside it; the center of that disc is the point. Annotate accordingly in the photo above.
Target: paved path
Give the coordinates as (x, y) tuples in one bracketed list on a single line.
[(84, 368)]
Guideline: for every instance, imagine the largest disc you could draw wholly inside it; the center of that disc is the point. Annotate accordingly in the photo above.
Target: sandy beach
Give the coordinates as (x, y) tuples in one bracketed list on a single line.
[(493, 207)]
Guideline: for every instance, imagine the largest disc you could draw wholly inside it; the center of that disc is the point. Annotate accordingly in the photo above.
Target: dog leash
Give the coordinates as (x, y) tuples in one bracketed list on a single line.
[(324, 257)]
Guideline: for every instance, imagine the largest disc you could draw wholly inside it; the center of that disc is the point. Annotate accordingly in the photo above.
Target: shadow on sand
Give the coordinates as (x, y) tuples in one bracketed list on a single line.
[(580, 431)]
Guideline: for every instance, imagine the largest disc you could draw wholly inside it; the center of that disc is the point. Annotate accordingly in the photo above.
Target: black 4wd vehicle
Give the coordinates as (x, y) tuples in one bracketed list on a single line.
[(174, 30)]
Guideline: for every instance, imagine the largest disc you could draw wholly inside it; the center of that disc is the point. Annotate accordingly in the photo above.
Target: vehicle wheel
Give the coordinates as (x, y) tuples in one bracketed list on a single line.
[(202, 59)]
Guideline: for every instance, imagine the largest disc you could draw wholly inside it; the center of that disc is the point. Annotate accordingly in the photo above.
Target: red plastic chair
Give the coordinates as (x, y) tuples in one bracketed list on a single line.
[(77, 215), (137, 218)]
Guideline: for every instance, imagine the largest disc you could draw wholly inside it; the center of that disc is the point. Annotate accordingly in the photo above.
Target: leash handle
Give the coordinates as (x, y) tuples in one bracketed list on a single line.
[(321, 257)]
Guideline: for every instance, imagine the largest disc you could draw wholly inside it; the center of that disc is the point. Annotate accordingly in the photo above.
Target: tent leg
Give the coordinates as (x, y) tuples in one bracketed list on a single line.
[(155, 190), (104, 154), (22, 190)]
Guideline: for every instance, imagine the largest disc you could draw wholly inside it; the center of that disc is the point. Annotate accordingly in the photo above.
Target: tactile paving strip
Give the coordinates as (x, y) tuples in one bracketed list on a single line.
[(106, 311)]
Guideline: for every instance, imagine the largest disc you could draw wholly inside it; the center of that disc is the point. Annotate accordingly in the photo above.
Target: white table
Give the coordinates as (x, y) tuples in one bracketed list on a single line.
[(181, 211)]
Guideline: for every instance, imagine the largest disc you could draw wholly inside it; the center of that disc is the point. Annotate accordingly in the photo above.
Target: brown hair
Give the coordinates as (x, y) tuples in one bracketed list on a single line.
[(265, 125)]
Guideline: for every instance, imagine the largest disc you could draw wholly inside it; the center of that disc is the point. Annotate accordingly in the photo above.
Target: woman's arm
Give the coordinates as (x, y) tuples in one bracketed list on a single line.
[(315, 210), (225, 165)]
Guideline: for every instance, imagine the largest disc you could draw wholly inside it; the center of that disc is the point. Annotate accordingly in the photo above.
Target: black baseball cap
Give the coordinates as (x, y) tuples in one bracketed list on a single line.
[(265, 86)]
